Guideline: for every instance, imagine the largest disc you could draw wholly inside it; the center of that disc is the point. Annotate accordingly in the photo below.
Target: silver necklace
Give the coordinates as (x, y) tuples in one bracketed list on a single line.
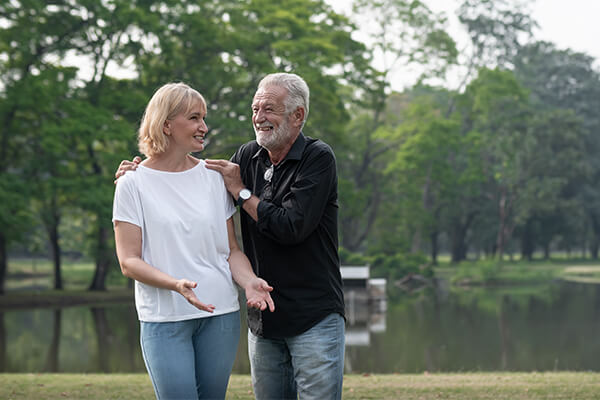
[(268, 174)]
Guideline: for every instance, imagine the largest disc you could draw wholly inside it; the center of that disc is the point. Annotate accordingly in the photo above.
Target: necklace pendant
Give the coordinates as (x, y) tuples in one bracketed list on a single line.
[(268, 174)]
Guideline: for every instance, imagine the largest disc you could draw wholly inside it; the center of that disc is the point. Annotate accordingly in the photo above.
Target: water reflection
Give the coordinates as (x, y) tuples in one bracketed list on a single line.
[(52, 358), (547, 327), (365, 314), (2, 343), (71, 339)]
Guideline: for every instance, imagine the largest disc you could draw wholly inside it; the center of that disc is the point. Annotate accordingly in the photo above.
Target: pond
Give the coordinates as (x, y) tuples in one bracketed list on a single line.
[(554, 326)]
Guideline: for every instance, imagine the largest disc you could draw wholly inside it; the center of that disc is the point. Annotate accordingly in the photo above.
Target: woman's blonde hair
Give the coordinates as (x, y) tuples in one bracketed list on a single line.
[(166, 103)]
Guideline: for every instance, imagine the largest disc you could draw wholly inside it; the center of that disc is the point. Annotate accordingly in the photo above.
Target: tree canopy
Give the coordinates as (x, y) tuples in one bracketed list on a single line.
[(506, 162)]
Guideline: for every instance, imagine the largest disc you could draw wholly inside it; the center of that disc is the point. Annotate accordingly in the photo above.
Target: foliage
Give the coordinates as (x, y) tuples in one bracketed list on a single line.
[(505, 163), (391, 267), (403, 33), (494, 272), (482, 272), (79, 122)]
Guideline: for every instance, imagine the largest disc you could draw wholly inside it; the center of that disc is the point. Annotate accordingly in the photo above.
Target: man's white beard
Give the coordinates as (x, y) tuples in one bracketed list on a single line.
[(273, 140)]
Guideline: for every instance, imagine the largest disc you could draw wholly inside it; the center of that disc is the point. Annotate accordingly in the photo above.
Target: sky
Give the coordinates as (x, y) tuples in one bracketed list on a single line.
[(572, 24)]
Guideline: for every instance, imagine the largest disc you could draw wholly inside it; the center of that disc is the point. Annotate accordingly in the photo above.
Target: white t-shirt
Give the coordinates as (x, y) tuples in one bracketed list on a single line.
[(184, 234)]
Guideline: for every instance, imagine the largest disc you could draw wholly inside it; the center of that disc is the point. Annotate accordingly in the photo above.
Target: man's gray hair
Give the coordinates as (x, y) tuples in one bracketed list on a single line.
[(298, 92)]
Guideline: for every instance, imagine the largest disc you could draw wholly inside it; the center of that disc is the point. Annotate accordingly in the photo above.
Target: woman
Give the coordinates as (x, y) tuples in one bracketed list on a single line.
[(175, 236)]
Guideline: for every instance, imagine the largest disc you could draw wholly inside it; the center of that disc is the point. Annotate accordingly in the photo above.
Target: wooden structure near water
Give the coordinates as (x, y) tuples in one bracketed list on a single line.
[(366, 304)]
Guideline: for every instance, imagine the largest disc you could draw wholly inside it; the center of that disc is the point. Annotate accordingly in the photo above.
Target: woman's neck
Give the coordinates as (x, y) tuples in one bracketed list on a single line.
[(170, 162)]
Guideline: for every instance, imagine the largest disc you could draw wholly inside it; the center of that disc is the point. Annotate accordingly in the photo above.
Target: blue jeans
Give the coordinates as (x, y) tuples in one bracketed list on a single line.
[(308, 366), (191, 359)]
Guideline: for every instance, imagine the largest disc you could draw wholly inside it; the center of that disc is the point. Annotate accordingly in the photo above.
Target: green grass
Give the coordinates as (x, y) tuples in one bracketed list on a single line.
[(519, 272), (498, 386), (37, 274)]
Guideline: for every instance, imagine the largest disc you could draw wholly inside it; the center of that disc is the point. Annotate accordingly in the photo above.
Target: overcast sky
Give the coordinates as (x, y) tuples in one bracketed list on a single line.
[(573, 24)]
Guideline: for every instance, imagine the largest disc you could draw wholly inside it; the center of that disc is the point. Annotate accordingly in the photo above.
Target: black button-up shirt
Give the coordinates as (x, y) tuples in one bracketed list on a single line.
[(293, 246)]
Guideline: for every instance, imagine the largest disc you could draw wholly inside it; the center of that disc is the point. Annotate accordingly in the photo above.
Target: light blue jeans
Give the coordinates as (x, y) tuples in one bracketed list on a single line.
[(191, 359), (307, 366)]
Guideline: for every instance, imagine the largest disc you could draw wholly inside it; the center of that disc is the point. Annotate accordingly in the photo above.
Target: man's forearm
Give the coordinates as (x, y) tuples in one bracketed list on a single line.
[(251, 207)]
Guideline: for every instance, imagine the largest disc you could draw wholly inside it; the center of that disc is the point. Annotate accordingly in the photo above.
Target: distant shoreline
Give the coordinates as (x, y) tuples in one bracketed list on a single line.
[(17, 299)]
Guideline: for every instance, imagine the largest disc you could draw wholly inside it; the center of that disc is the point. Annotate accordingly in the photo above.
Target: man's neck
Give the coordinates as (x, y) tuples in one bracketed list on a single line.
[(278, 155)]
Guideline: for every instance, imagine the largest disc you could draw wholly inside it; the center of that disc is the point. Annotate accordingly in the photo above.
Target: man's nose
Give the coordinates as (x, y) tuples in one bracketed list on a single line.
[(259, 116)]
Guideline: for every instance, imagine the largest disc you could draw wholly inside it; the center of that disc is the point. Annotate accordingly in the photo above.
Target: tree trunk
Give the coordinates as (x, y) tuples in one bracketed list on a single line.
[(458, 246), (547, 251), (458, 236), (3, 341), (527, 246), (102, 261), (427, 206), (434, 247), (416, 241), (52, 228), (594, 246), (3, 261), (505, 228), (502, 213), (595, 243)]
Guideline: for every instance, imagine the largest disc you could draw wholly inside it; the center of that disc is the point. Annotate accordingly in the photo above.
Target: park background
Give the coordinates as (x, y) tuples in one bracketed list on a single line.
[(474, 180)]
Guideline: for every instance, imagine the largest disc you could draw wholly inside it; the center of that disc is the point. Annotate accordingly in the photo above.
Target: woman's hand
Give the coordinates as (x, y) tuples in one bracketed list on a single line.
[(184, 287), (258, 295)]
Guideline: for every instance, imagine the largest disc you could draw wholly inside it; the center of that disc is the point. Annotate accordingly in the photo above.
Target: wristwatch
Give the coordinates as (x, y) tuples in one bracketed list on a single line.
[(243, 196)]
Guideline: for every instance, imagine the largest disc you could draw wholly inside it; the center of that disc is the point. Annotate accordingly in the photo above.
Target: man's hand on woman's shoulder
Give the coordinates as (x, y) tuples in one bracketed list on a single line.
[(127, 165)]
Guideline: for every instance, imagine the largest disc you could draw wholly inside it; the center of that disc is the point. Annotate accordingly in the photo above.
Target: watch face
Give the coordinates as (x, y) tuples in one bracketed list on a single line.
[(245, 194)]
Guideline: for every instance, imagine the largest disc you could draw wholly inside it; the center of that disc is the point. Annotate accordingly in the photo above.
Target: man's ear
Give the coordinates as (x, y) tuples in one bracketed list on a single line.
[(298, 116)]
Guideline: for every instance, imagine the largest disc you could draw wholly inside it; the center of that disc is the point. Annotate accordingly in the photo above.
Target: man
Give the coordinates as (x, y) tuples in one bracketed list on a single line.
[(286, 186)]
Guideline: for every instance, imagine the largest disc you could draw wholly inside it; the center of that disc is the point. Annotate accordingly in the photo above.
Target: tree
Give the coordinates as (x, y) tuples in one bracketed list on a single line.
[(402, 34), (566, 80), (497, 29), (495, 106), (31, 33), (40, 36), (525, 152), (89, 126), (48, 148), (422, 166)]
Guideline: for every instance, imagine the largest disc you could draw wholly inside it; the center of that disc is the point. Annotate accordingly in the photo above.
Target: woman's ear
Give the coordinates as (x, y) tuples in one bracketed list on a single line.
[(167, 128)]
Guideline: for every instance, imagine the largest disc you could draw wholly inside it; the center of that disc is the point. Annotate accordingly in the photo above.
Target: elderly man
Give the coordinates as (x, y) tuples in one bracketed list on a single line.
[(285, 184)]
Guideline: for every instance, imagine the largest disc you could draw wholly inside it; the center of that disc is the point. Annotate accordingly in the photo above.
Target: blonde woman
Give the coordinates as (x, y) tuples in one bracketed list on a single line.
[(175, 237)]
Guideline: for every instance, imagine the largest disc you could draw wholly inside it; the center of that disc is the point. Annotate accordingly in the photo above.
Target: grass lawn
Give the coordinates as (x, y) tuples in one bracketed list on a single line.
[(36, 275), (509, 386)]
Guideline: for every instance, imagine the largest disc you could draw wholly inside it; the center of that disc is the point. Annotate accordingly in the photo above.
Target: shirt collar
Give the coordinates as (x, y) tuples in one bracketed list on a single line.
[(295, 152)]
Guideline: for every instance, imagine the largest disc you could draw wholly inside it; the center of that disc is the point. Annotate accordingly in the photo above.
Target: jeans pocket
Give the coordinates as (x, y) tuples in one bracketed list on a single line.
[(150, 330), (230, 322)]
